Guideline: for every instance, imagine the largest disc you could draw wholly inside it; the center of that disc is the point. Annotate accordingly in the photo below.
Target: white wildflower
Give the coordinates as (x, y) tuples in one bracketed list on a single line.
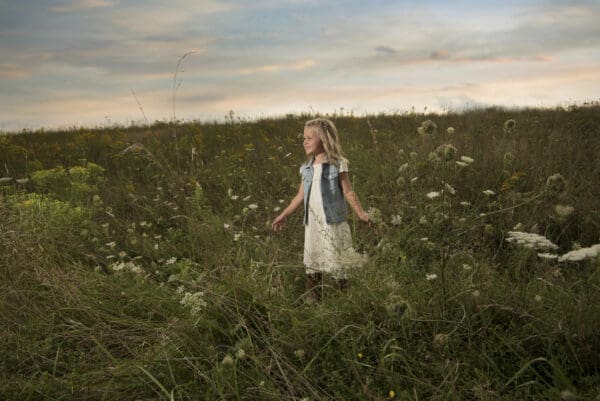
[(467, 159), (465, 203), (226, 226), (276, 208), (413, 180), (476, 293), (547, 256), (450, 130), (461, 164), (530, 240), (234, 197), (111, 245), (375, 215), (467, 267), (396, 220), (237, 236), (423, 220), (195, 301), (450, 189), (430, 276), (280, 201), (171, 261), (563, 210), (538, 298), (403, 168), (350, 258), (489, 192), (581, 254), (240, 353), (253, 206), (424, 239), (433, 195), (246, 198)]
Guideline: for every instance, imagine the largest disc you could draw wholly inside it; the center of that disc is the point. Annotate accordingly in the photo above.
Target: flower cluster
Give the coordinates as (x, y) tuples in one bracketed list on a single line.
[(427, 127), (581, 254), (195, 301), (126, 266), (530, 240)]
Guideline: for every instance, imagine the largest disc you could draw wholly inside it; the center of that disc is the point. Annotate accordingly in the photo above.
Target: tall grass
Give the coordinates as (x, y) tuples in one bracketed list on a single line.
[(152, 278)]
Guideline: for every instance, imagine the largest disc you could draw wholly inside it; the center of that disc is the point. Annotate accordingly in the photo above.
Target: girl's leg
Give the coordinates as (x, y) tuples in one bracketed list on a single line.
[(314, 286)]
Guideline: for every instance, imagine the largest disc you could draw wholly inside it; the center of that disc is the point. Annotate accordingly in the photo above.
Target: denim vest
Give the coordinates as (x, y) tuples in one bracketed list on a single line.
[(334, 204)]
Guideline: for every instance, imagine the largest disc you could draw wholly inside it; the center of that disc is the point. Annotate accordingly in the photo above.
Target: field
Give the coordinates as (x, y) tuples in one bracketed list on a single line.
[(138, 263)]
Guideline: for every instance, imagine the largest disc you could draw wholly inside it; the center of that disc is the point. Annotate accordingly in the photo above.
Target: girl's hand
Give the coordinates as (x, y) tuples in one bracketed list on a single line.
[(279, 223), (365, 217)]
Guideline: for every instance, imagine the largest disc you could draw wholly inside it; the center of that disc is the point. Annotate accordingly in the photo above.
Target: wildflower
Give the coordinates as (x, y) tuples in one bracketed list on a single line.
[(556, 184), (349, 257), (122, 254), (413, 155), (375, 215), (430, 276), (156, 247), (467, 159), (195, 301), (547, 256), (276, 208), (423, 220), (234, 197), (440, 339), (111, 245), (530, 240), (396, 220), (433, 195), (280, 201), (566, 395), (489, 192), (467, 267), (253, 206), (299, 353), (581, 254), (476, 293), (403, 168), (427, 127), (563, 211), (240, 353), (450, 189), (226, 226), (446, 152), (227, 361), (538, 298), (171, 261), (237, 236), (391, 394), (413, 180), (246, 198), (245, 210), (509, 125), (461, 164), (465, 203), (450, 130)]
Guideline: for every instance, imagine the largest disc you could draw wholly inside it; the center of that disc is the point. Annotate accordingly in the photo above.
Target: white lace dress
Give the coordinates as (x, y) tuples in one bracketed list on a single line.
[(327, 247)]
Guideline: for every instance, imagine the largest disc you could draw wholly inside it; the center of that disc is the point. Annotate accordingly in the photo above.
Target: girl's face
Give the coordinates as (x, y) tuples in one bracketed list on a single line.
[(312, 143)]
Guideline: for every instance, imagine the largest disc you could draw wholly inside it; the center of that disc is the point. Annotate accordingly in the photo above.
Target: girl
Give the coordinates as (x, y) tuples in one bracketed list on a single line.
[(324, 186)]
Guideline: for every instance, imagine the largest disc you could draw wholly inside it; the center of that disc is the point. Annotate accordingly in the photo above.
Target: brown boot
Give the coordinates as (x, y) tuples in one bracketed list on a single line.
[(341, 284), (314, 287)]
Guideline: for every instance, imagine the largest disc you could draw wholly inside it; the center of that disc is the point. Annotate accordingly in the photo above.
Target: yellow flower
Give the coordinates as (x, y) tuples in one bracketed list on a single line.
[(359, 355), (392, 394)]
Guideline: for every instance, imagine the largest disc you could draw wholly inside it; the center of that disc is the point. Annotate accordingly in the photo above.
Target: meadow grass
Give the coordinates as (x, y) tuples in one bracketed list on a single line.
[(139, 264)]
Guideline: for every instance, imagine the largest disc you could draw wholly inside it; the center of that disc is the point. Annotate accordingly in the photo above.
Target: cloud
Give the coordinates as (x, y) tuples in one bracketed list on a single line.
[(79, 5), (297, 65), (12, 71), (385, 50)]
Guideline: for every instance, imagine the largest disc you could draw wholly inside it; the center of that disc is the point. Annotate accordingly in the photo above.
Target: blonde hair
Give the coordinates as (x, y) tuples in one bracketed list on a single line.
[(329, 137)]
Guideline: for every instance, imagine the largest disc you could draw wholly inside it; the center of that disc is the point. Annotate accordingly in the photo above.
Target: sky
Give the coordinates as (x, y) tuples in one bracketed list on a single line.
[(93, 63)]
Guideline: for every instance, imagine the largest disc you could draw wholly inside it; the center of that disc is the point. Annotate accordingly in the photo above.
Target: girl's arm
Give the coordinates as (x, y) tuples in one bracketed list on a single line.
[(352, 198), (291, 208)]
